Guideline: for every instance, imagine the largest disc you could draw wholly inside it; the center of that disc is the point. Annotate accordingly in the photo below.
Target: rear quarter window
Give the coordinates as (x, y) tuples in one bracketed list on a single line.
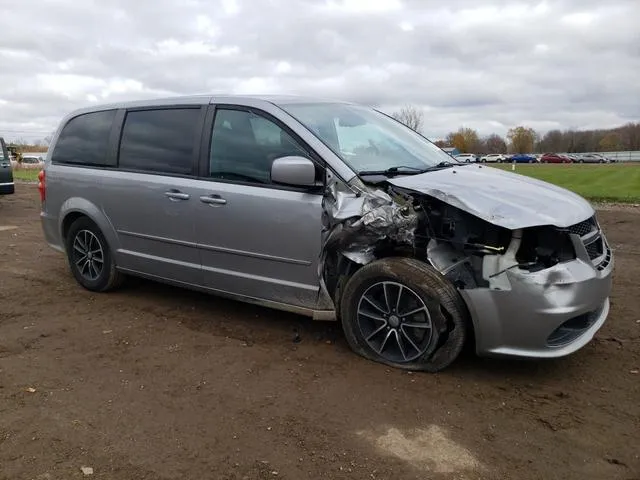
[(160, 140), (84, 140)]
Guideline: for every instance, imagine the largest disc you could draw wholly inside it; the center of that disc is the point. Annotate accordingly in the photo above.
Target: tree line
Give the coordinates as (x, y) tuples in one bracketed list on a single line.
[(523, 139)]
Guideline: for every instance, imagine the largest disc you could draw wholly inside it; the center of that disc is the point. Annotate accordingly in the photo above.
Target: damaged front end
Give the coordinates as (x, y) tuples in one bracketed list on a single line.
[(534, 290)]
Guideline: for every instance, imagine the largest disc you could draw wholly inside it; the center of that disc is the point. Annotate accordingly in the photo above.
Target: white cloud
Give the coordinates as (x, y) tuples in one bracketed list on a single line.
[(487, 64), (406, 26), (283, 68), (363, 6), (231, 7), (579, 19)]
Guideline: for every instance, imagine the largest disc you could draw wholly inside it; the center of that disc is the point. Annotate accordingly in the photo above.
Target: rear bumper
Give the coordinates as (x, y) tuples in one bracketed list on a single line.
[(51, 231), (7, 188)]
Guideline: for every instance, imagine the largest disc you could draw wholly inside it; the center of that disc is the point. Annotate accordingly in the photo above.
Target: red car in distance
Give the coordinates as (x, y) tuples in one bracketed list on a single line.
[(555, 158)]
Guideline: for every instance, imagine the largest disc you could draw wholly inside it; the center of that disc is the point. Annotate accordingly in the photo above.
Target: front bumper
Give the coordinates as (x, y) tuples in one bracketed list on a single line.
[(545, 314)]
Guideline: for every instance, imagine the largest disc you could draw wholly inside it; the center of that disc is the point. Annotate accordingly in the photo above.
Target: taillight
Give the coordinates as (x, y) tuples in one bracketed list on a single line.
[(41, 185)]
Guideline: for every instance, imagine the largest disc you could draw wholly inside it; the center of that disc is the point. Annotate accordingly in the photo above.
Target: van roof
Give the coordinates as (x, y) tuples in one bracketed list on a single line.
[(205, 99)]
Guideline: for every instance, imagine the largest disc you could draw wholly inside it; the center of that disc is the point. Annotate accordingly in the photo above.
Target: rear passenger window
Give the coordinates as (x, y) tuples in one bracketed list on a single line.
[(84, 139), (160, 140)]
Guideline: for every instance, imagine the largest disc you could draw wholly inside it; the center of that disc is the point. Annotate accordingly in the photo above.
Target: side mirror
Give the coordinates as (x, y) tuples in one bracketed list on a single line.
[(294, 171)]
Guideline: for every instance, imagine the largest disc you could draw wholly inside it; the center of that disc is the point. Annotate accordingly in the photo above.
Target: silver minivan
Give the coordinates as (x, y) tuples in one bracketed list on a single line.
[(332, 210)]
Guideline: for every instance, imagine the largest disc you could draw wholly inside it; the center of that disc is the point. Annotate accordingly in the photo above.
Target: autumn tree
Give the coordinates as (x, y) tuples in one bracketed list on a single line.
[(609, 143), (495, 144), (522, 139), (411, 116), (440, 143), (466, 140)]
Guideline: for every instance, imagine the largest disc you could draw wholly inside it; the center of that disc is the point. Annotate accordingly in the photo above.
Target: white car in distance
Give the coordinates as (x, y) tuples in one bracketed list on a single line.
[(493, 158), (466, 157)]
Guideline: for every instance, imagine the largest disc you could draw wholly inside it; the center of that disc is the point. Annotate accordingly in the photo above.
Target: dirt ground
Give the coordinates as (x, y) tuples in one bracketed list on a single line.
[(154, 382)]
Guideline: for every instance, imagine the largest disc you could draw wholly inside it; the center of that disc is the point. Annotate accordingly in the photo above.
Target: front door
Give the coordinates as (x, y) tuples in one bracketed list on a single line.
[(257, 239)]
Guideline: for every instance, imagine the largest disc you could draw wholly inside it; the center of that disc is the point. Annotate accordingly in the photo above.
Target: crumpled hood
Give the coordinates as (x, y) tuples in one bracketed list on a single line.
[(502, 198)]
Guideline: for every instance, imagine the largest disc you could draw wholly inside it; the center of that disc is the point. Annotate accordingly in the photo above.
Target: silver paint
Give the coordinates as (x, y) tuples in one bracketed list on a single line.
[(502, 198), (268, 246)]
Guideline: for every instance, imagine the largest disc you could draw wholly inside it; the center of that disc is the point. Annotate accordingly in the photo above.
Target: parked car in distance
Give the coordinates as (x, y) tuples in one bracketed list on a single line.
[(7, 186), (523, 158), (331, 210), (30, 161), (466, 158), (555, 158), (591, 158), (493, 158)]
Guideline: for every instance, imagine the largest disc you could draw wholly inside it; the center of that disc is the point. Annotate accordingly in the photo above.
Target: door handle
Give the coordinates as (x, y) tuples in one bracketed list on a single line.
[(177, 195), (213, 200)]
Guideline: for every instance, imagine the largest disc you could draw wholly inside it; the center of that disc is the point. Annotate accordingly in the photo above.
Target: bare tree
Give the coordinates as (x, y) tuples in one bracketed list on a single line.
[(495, 144), (553, 141), (411, 116)]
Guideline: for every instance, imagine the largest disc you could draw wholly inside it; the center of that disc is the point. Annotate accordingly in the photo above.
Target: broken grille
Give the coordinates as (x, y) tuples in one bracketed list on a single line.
[(584, 228), (595, 248), (607, 258), (595, 245)]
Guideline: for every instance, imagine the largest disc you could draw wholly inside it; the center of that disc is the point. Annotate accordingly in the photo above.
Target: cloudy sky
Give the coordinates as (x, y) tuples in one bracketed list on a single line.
[(486, 64)]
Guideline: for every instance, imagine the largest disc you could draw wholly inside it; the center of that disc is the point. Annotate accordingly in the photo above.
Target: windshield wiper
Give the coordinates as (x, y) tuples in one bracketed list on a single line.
[(446, 164), (400, 170)]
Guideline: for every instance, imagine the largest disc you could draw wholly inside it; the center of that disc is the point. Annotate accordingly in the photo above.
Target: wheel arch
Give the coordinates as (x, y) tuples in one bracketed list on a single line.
[(75, 208)]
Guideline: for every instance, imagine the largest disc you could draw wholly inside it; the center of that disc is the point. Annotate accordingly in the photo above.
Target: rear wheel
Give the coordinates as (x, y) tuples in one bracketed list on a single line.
[(90, 258), (403, 313)]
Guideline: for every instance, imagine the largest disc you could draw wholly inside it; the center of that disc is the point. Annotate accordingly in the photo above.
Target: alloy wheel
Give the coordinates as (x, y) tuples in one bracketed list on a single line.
[(88, 255), (395, 322)]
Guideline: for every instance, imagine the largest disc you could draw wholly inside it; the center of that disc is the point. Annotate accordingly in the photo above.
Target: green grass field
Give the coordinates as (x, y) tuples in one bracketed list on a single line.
[(599, 183), (30, 175)]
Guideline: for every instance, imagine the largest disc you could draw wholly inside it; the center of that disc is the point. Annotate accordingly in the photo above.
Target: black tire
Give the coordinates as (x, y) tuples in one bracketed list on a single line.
[(109, 277), (447, 313)]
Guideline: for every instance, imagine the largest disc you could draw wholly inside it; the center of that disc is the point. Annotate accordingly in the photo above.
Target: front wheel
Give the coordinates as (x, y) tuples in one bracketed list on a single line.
[(90, 258), (403, 313)]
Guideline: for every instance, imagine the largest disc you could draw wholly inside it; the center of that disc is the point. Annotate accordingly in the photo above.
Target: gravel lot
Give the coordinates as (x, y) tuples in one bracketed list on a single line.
[(153, 382)]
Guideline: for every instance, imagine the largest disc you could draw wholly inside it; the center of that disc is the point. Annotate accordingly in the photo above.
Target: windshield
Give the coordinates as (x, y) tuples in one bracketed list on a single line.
[(368, 140)]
